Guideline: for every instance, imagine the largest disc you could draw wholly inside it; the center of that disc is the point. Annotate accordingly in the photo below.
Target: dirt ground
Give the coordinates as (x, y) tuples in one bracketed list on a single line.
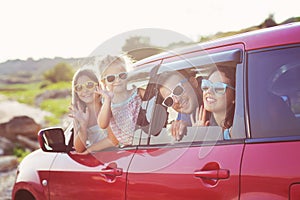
[(8, 110), (7, 181)]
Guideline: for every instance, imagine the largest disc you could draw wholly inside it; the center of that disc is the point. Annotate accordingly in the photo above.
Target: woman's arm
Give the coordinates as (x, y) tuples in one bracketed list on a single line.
[(109, 141), (80, 119), (80, 140)]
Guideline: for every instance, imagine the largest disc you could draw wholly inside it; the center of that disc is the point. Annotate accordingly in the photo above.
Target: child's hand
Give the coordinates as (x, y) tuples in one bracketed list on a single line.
[(107, 95)]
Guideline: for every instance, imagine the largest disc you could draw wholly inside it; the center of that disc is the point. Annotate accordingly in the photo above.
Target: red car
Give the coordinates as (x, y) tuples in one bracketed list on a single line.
[(259, 161)]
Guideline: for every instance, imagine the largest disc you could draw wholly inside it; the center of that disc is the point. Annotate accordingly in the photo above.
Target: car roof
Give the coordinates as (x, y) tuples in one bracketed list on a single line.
[(263, 38)]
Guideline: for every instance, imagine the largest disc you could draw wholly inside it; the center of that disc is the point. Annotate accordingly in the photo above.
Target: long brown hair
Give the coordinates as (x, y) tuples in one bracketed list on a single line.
[(229, 73), (81, 72)]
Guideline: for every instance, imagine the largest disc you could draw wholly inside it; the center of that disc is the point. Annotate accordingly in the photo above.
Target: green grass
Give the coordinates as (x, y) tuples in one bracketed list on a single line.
[(58, 107), (21, 153), (59, 85), (23, 93), (26, 93)]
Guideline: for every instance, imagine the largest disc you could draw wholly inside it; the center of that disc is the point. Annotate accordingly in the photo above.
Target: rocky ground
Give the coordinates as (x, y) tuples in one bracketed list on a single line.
[(8, 110), (7, 180)]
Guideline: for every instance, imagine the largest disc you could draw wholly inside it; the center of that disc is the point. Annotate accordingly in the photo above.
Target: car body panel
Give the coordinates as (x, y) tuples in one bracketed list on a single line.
[(93, 173), (171, 172), (269, 169), (33, 169)]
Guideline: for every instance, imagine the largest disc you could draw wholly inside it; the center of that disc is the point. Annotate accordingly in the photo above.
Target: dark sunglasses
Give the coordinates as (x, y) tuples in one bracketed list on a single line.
[(88, 85), (112, 77), (177, 91), (218, 87)]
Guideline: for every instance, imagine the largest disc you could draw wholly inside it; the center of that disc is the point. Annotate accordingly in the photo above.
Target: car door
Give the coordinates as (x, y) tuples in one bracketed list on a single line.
[(99, 175), (202, 165), (270, 167)]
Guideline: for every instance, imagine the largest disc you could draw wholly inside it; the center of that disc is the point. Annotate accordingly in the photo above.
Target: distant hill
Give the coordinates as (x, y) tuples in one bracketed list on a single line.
[(269, 22), (20, 71)]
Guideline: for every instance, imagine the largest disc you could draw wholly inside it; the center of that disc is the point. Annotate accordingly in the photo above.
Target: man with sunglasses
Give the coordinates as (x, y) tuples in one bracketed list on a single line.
[(218, 106), (180, 90)]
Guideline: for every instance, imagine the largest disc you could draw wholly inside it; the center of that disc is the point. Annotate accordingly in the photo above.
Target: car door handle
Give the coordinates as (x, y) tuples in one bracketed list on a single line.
[(212, 174), (112, 172)]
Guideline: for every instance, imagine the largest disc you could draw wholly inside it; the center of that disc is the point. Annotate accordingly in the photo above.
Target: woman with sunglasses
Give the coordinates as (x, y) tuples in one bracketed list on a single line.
[(121, 105), (86, 130), (219, 99)]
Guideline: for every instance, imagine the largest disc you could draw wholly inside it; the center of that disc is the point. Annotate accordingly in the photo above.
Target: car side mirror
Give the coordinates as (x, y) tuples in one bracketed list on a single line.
[(52, 140)]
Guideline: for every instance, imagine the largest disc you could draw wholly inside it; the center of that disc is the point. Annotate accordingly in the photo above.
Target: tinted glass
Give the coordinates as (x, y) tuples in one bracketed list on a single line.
[(274, 92)]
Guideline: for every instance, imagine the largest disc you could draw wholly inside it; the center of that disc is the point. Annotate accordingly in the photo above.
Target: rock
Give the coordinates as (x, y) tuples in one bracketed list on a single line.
[(6, 146), (53, 94), (33, 145), (8, 163), (10, 109), (7, 180), (20, 125)]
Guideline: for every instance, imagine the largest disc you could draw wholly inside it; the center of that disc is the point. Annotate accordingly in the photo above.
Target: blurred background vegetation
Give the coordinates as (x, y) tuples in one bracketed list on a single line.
[(56, 79)]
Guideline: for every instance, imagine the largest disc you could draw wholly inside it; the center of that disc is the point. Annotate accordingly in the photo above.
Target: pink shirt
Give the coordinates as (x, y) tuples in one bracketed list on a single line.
[(124, 118)]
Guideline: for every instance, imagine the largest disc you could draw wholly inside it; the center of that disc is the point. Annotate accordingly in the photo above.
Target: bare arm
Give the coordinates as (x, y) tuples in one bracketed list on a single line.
[(80, 118), (109, 141), (79, 141), (97, 101), (141, 92), (104, 114)]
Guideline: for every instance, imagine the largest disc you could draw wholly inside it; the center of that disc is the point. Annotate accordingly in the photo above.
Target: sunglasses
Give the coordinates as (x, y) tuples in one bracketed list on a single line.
[(88, 85), (112, 77), (177, 91), (218, 87)]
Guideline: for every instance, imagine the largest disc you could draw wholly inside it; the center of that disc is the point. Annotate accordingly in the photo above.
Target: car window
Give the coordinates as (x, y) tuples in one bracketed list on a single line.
[(274, 92), (68, 132), (162, 116), (146, 125)]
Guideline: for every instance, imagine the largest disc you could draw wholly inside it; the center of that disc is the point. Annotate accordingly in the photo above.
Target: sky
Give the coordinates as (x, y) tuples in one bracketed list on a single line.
[(76, 28)]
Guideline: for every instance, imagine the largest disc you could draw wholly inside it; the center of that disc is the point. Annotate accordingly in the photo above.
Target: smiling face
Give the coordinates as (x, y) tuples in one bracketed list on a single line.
[(119, 84), (86, 94), (218, 103), (187, 101)]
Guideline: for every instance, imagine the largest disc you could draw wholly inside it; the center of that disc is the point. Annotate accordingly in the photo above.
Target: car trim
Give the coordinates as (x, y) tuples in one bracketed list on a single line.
[(274, 48), (193, 144), (272, 139), (234, 55)]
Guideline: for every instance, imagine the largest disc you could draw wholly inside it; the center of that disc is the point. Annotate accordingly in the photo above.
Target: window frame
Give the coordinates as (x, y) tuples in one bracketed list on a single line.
[(250, 138), (235, 52)]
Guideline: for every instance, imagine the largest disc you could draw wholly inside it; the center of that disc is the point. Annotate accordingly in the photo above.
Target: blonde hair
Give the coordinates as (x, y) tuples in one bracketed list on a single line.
[(110, 60), (123, 60)]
